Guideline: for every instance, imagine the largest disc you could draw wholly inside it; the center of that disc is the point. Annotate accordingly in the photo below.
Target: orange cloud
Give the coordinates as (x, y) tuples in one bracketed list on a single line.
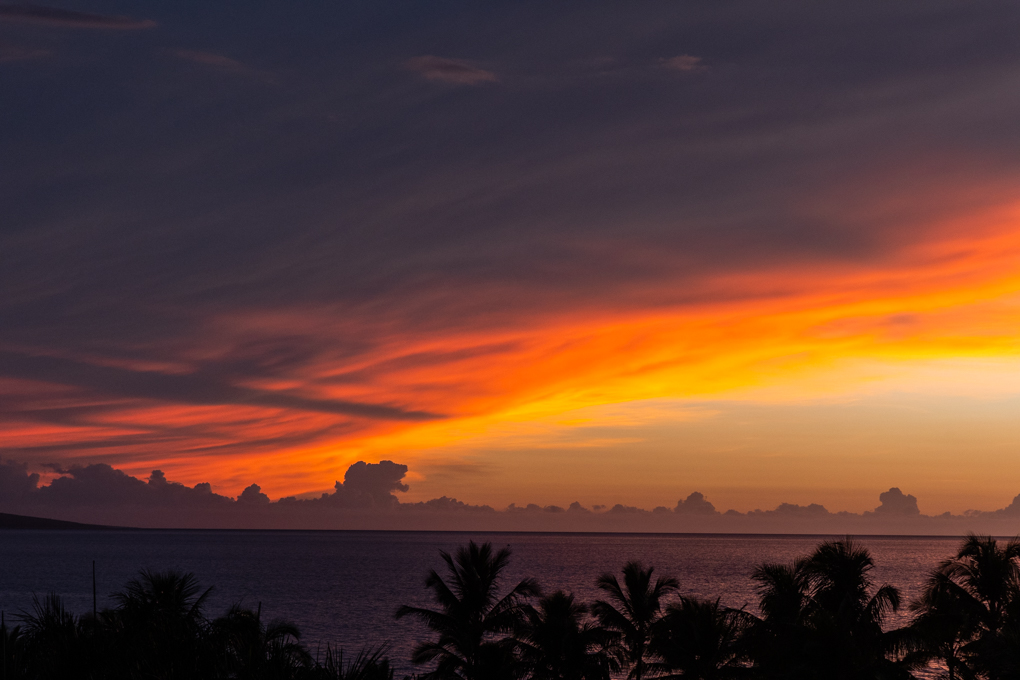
[(954, 295)]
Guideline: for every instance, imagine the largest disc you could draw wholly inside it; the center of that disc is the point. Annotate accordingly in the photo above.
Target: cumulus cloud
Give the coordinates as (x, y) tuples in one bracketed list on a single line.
[(446, 504), (374, 482), (792, 509), (16, 483), (1013, 509), (695, 504), (895, 502), (100, 485), (52, 16), (101, 494), (253, 494), (534, 508), (449, 70), (621, 509)]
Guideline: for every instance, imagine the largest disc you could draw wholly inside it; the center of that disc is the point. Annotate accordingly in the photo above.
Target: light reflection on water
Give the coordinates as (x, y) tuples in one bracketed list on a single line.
[(342, 588)]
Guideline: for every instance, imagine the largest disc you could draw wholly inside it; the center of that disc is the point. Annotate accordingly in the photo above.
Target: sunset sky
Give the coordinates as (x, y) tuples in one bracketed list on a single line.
[(537, 252)]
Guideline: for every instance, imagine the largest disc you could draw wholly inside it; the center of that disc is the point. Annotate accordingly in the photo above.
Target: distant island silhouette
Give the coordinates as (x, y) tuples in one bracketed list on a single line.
[(9, 521)]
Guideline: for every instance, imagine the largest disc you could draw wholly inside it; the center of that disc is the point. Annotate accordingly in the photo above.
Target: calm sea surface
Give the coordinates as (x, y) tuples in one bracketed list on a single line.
[(342, 588)]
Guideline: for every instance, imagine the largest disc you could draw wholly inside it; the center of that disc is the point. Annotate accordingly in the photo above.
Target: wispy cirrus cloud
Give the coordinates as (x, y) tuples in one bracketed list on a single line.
[(53, 16), (687, 63), (188, 389), (446, 70), (212, 59)]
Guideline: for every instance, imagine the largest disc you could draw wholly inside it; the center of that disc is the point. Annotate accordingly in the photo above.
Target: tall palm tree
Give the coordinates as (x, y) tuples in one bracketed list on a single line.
[(161, 626), (968, 616), (821, 617), (633, 610), (473, 623), (989, 574), (779, 639), (945, 620), (558, 642), (848, 614), (701, 640)]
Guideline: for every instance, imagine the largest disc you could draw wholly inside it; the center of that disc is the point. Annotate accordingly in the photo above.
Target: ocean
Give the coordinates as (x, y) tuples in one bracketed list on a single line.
[(342, 587)]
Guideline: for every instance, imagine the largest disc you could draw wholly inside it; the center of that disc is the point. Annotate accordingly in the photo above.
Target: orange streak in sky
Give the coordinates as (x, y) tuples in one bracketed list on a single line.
[(957, 295)]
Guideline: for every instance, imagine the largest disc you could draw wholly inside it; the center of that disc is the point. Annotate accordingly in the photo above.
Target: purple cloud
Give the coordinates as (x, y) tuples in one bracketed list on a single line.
[(450, 70), (53, 16), (684, 62)]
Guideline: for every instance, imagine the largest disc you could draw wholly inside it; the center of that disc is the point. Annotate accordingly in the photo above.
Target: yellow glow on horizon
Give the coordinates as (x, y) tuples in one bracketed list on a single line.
[(941, 315)]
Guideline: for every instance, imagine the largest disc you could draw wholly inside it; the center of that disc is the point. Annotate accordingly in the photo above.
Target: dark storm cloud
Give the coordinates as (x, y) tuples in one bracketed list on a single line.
[(53, 16), (186, 389)]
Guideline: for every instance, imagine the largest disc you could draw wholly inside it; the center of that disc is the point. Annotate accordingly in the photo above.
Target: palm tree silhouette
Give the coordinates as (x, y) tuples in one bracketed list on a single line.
[(53, 643), (256, 650), (558, 642), (473, 623), (822, 618), (368, 664), (778, 640), (633, 610), (162, 628), (847, 616), (701, 640), (968, 616), (945, 620)]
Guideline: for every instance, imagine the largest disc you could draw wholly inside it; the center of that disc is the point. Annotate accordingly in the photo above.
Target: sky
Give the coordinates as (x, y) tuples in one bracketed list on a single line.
[(535, 252)]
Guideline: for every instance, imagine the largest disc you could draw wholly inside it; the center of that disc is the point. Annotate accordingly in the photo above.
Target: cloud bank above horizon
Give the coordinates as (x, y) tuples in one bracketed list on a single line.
[(366, 499), (522, 248)]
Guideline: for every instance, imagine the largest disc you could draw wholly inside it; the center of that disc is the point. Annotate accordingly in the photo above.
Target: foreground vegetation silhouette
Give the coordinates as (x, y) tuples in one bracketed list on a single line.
[(821, 617), (159, 630)]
